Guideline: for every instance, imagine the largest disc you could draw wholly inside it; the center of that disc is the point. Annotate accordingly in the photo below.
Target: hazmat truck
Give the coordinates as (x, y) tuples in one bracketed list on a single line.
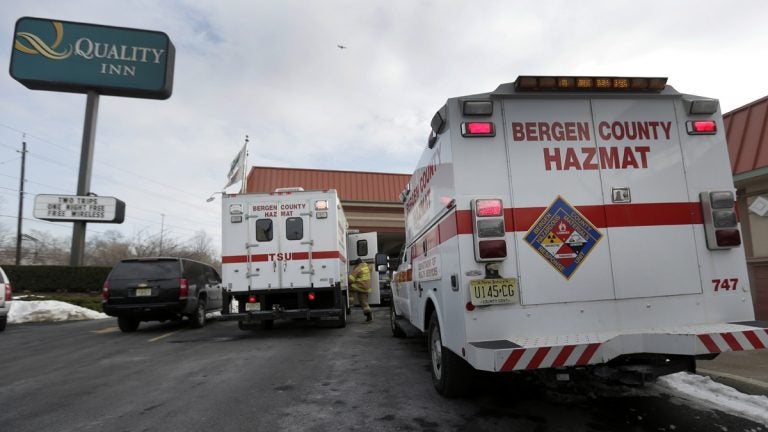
[(284, 256), (574, 224)]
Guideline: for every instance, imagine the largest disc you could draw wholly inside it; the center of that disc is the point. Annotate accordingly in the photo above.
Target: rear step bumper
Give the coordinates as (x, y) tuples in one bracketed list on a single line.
[(598, 348), (257, 316)]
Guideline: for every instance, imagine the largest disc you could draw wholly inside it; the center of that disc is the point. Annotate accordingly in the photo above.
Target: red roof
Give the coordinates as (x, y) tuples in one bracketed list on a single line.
[(350, 185), (747, 136)]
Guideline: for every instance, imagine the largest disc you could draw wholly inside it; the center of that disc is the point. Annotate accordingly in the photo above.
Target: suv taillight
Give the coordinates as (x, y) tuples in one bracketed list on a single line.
[(105, 291), (183, 289), (8, 292)]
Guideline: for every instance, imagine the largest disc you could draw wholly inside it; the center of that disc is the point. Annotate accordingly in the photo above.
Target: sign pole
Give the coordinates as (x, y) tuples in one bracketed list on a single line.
[(84, 178)]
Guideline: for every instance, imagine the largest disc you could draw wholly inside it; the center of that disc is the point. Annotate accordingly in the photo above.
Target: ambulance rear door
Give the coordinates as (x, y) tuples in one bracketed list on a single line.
[(279, 243), (296, 242), (558, 215), (649, 218), (600, 199), (365, 246)]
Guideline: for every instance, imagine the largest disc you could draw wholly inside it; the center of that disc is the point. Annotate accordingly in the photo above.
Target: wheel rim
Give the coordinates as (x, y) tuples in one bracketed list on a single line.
[(436, 349)]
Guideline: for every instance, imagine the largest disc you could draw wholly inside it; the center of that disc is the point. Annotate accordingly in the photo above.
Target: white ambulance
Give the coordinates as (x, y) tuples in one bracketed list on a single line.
[(284, 255), (562, 224)]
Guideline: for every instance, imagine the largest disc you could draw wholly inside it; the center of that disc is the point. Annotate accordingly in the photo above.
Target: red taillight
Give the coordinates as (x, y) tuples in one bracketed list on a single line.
[(728, 237), (704, 126), (488, 207), (701, 127), (311, 296), (252, 299), (490, 249), (105, 291), (183, 288), (470, 306), (477, 129)]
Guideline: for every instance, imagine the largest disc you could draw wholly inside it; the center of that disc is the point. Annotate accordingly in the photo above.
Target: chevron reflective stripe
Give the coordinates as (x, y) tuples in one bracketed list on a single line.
[(548, 357), (735, 341)]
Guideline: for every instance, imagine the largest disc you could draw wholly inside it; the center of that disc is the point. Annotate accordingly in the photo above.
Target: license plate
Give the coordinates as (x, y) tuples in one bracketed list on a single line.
[(252, 307), (484, 292), (143, 292)]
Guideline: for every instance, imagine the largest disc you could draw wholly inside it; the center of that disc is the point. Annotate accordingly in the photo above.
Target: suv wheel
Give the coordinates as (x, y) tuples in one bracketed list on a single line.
[(127, 325), (197, 319), (3, 322)]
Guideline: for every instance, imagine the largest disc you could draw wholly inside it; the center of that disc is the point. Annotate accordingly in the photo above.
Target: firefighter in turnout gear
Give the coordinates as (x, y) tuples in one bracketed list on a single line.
[(360, 286)]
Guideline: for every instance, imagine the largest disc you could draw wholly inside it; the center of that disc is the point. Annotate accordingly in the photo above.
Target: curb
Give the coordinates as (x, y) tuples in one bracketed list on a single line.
[(743, 384)]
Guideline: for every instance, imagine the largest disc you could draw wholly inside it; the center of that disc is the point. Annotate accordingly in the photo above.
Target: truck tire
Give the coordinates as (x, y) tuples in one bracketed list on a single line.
[(451, 375), (127, 325), (396, 330), (347, 301), (226, 303), (197, 318), (342, 321), (3, 323)]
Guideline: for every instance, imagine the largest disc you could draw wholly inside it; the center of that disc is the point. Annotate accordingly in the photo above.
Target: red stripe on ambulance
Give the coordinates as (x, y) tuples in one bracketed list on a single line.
[(287, 256), (601, 216), (735, 341), (548, 357)]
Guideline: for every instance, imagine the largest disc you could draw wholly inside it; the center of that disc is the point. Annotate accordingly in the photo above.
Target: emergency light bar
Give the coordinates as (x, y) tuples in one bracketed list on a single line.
[(564, 83)]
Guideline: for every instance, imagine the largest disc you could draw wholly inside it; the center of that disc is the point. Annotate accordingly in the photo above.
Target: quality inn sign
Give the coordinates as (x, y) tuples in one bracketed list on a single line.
[(77, 57)]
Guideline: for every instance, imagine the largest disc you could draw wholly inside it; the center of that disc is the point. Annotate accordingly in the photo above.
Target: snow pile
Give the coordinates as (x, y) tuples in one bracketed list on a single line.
[(49, 310), (715, 395)]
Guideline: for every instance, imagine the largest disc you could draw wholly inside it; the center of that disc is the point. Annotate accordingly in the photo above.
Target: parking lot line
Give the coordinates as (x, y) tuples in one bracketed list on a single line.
[(163, 336)]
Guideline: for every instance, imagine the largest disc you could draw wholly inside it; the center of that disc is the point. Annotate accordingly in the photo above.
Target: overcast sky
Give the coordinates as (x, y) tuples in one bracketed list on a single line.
[(272, 70)]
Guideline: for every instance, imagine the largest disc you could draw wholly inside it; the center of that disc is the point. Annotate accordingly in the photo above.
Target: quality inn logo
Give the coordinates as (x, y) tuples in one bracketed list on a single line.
[(111, 58), (60, 55), (29, 43)]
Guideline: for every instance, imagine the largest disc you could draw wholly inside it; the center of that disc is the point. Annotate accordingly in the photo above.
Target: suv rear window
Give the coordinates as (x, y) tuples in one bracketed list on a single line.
[(146, 270)]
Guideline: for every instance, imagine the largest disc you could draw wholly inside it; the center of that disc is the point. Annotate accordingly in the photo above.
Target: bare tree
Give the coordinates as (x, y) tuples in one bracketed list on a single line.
[(46, 249), (200, 248), (107, 249), (144, 245)]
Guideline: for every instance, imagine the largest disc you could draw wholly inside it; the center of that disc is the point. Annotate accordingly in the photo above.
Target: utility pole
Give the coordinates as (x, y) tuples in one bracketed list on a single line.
[(21, 198)]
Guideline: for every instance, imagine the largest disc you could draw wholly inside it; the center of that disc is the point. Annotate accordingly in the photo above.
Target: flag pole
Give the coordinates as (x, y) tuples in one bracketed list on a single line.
[(244, 163)]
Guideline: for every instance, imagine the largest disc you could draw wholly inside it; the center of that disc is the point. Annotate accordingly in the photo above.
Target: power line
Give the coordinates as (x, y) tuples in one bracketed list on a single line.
[(28, 196), (102, 163), (112, 180)]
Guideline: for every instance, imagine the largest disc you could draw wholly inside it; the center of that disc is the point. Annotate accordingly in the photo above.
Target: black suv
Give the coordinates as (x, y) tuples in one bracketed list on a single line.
[(159, 289)]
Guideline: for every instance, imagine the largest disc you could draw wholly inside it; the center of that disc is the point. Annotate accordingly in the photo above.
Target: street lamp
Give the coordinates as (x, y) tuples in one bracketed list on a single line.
[(213, 196)]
